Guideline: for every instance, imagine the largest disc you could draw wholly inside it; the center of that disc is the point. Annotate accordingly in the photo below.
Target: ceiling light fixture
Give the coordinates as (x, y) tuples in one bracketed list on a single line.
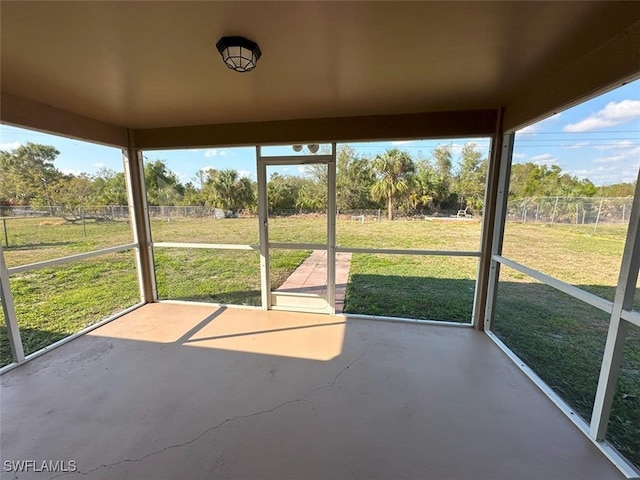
[(313, 147), (238, 53)]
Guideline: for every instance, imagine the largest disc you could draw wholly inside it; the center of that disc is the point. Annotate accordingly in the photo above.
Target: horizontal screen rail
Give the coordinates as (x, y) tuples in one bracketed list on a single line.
[(631, 316), (296, 159), (299, 246), (70, 258), (211, 246), (384, 318), (392, 251), (575, 292), (282, 293)]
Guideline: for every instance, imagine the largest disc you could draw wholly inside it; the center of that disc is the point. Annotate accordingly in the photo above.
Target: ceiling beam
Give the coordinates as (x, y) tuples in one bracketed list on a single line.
[(471, 123), (20, 112), (611, 65)]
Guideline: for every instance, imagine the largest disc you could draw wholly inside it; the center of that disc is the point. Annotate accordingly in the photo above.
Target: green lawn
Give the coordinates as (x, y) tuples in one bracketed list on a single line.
[(429, 288), (560, 338), (55, 302)]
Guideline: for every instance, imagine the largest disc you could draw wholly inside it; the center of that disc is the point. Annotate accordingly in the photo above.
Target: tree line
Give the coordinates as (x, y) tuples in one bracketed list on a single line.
[(394, 181)]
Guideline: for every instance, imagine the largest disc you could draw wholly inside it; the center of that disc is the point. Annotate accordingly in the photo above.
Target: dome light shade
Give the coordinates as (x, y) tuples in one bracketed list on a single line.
[(238, 53), (313, 148)]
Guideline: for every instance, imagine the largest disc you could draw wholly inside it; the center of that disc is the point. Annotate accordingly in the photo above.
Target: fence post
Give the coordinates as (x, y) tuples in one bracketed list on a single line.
[(595, 227), (553, 215), (6, 237), (84, 226)]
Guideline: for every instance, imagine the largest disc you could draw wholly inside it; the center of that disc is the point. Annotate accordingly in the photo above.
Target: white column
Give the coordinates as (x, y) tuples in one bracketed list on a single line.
[(139, 218), (504, 173), (263, 219), (331, 231)]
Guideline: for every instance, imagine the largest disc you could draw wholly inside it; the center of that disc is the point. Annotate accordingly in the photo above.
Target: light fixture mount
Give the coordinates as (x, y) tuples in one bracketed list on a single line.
[(238, 53)]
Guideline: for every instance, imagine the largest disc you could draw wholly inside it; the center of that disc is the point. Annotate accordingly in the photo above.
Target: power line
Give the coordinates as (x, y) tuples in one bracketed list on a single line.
[(574, 133), (576, 147)]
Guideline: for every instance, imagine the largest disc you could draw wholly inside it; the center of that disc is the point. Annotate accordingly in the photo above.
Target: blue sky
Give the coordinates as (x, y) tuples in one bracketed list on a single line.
[(599, 140)]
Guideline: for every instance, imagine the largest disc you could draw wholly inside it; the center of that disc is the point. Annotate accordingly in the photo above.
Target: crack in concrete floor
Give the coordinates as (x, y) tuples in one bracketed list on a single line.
[(228, 420)]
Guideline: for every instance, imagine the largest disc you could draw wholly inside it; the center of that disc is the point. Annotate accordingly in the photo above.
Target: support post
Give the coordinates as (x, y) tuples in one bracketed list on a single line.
[(614, 347), (139, 218), (488, 224), (331, 231), (553, 215), (6, 236), (263, 219), (9, 310), (595, 227), (84, 225), (502, 194)]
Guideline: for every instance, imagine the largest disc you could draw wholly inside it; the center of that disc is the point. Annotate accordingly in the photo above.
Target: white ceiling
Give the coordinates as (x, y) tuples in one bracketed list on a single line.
[(154, 64)]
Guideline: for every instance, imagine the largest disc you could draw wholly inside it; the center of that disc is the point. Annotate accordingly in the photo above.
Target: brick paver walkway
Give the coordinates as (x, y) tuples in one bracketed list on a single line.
[(311, 276)]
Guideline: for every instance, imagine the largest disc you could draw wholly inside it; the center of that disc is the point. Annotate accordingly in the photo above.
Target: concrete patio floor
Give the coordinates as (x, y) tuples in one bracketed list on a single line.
[(194, 392)]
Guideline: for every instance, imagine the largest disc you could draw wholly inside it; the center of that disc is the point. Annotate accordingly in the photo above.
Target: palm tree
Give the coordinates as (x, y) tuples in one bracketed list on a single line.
[(394, 169), (228, 191)]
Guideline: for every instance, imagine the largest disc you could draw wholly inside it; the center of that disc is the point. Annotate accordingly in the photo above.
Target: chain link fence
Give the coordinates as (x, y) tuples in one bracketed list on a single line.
[(570, 210), (17, 223), (22, 226), (99, 212)]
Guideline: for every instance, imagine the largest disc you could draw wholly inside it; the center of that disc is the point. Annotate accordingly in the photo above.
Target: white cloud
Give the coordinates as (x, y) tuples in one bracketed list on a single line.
[(206, 168), (519, 156), (9, 145), (286, 169), (621, 166), (302, 169), (610, 159), (456, 148), (215, 152), (537, 127), (534, 127), (615, 113), (71, 171), (616, 145), (98, 165), (630, 156), (609, 174), (544, 159), (244, 173), (578, 145), (402, 142)]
